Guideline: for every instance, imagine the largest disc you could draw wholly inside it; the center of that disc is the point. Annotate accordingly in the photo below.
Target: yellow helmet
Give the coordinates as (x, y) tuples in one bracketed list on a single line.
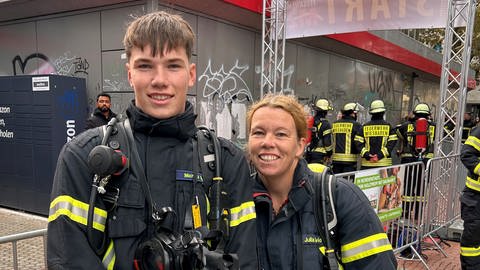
[(350, 107), (377, 106), (323, 104), (422, 108)]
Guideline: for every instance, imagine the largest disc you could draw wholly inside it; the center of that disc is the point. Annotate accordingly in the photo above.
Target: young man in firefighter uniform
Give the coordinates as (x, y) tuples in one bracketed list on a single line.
[(380, 138), (348, 142), (408, 133), (320, 149), (470, 203)]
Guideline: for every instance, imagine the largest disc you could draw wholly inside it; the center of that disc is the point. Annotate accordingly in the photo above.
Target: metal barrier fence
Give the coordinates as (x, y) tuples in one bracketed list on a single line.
[(397, 194), (16, 238)]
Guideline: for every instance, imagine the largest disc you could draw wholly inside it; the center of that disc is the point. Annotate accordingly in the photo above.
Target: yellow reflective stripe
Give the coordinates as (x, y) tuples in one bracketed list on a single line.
[(381, 163), (242, 213), (472, 183), (109, 258), (473, 142), (329, 148), (477, 169), (365, 247), (77, 211), (470, 251), (327, 131), (359, 139), (344, 157), (393, 137)]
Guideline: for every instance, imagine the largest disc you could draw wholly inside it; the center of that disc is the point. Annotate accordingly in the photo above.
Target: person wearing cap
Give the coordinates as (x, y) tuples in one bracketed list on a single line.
[(406, 132), (468, 124), (320, 149), (348, 141), (380, 138)]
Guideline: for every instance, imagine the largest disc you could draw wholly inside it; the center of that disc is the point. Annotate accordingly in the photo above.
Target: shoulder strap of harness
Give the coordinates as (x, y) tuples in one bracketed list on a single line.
[(209, 156), (325, 214)]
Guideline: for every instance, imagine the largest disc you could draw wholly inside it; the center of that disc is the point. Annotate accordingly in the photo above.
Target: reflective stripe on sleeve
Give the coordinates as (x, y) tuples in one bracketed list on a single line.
[(76, 211), (365, 247), (473, 142), (109, 258), (470, 251), (242, 213), (472, 183), (477, 169)]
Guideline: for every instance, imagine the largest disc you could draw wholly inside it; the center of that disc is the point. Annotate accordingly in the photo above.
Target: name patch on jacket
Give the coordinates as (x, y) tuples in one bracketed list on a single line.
[(185, 175), (312, 239)]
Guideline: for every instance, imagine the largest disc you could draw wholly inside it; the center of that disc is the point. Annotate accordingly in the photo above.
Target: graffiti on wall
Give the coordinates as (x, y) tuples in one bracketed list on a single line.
[(287, 80), (225, 98)]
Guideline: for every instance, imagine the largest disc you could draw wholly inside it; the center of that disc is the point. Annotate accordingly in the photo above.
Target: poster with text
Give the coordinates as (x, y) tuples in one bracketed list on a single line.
[(383, 188)]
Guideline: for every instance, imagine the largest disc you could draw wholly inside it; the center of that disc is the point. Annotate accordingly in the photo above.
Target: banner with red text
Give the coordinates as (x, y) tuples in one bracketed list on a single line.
[(320, 17)]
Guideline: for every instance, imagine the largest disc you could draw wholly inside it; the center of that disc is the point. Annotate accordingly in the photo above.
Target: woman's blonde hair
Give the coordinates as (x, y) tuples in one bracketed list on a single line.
[(289, 104)]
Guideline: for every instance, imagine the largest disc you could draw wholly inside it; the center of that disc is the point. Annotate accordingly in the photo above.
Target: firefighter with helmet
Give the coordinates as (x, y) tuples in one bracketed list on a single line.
[(470, 203), (320, 149), (407, 133), (347, 140), (380, 138)]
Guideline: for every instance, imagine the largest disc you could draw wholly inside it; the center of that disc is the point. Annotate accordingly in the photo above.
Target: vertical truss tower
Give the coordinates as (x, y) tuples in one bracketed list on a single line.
[(273, 46), (453, 86)]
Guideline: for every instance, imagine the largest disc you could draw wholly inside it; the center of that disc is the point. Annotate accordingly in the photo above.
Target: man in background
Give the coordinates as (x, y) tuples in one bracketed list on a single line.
[(102, 113)]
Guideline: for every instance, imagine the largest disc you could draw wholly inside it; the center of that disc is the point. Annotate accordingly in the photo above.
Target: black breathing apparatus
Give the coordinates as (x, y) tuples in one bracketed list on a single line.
[(166, 249)]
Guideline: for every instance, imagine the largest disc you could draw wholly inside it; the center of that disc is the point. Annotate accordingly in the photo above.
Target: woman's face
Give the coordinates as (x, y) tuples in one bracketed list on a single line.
[(273, 144)]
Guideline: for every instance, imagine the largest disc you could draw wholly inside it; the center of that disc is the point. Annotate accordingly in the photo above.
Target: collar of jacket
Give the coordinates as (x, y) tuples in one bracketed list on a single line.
[(98, 112), (181, 126), (300, 193)]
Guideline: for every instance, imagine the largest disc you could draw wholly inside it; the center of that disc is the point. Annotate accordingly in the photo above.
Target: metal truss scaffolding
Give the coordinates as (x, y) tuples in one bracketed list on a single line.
[(453, 85), (273, 46)]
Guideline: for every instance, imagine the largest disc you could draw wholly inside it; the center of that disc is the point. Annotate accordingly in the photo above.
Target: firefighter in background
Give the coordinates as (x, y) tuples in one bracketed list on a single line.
[(470, 203), (408, 133), (320, 149), (468, 124), (347, 140), (380, 138)]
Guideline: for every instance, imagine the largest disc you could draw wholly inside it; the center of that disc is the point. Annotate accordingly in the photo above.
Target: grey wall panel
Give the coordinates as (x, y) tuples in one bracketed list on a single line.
[(18, 53), (114, 24), (312, 73), (73, 46), (341, 81), (225, 72)]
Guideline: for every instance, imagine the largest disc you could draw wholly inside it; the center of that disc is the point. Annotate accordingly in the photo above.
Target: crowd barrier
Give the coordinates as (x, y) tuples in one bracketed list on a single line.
[(414, 201)]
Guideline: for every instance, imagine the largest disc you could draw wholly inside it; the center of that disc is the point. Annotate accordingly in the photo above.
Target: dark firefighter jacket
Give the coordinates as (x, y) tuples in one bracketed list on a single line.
[(97, 119), (407, 137), (380, 139), (290, 241), (322, 141), (165, 148), (347, 140), (466, 129), (470, 158)]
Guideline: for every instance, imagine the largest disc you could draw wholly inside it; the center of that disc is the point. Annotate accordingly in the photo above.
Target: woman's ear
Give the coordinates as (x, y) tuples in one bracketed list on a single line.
[(302, 143)]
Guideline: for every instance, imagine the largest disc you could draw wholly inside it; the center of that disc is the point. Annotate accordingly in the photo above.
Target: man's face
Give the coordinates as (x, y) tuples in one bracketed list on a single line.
[(161, 82), (103, 103)]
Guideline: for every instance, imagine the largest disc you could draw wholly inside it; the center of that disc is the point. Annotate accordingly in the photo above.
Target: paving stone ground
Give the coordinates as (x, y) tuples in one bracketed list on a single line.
[(30, 252)]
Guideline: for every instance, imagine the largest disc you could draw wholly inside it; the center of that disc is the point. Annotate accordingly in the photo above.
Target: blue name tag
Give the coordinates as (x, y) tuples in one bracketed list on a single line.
[(185, 175)]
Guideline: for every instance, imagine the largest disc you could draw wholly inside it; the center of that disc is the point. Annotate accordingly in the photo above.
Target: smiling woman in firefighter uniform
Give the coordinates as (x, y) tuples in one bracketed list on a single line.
[(154, 212), (347, 140), (288, 238), (320, 149), (470, 203), (380, 138)]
